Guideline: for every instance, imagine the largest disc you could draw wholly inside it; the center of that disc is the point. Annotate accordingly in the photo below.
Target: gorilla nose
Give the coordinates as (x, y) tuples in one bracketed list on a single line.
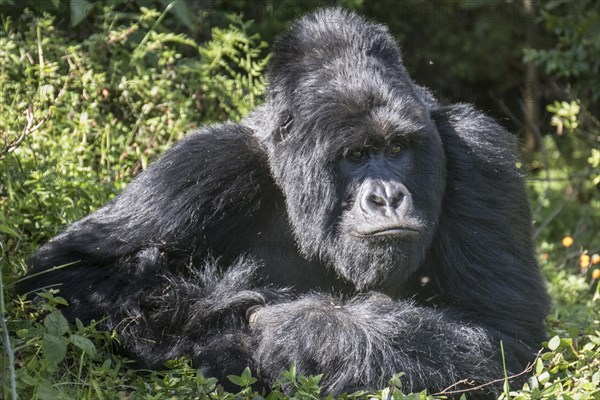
[(383, 197)]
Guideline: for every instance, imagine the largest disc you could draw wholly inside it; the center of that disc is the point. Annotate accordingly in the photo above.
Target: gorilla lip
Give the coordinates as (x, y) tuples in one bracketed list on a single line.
[(388, 231)]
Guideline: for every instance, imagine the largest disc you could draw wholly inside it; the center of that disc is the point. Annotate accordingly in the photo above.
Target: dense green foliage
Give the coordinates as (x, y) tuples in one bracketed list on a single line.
[(86, 102)]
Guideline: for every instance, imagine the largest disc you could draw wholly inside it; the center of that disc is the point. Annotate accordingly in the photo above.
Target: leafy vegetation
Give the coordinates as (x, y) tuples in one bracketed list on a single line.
[(81, 113)]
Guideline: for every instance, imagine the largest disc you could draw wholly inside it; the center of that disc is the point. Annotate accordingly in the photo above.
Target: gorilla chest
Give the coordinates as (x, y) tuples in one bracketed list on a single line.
[(269, 241)]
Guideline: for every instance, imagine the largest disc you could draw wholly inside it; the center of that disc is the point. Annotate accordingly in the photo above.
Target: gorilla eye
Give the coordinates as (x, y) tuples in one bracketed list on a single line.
[(355, 155), (396, 148)]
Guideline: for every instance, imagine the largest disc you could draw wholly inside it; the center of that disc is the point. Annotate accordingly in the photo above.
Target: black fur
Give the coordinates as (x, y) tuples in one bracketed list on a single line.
[(376, 231)]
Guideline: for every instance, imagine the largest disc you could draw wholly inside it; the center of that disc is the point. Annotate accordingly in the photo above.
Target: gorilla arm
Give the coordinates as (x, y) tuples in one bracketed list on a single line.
[(361, 343), (130, 260)]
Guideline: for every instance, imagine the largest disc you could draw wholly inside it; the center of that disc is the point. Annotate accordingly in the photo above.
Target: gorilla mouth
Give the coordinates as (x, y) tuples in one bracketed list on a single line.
[(388, 231)]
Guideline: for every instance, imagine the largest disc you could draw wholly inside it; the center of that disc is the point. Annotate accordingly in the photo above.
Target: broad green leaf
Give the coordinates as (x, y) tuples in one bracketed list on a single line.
[(554, 343), (54, 348), (236, 380), (539, 366), (544, 377), (79, 11), (56, 324), (47, 392), (85, 344), (247, 378)]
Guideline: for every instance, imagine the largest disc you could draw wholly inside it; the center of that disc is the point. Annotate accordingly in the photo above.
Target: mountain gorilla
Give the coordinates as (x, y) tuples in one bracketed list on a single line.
[(350, 225)]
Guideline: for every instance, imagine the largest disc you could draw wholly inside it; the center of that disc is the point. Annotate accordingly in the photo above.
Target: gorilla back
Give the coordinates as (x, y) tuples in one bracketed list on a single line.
[(350, 225)]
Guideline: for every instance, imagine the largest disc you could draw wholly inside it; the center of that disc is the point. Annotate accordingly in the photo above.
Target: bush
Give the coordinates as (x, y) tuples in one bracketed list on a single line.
[(80, 119)]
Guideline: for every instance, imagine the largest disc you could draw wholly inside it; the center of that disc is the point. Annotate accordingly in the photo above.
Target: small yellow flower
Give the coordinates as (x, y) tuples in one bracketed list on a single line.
[(567, 241), (596, 274), (584, 261), (596, 259)]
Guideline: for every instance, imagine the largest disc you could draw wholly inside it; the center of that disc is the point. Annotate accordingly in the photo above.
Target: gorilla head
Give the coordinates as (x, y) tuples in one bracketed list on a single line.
[(355, 139)]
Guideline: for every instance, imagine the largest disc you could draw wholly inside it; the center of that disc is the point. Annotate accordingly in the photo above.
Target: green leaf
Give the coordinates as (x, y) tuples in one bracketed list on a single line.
[(98, 390), (554, 343), (290, 374), (105, 366), (21, 333), (596, 378), (396, 380), (79, 11), (56, 324), (544, 377), (27, 379), (539, 366), (84, 344), (244, 380), (182, 12), (54, 348), (236, 380), (247, 376), (9, 231), (47, 392)]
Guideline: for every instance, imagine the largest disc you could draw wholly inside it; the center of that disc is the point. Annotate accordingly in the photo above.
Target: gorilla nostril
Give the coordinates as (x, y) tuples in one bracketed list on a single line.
[(377, 200), (397, 200)]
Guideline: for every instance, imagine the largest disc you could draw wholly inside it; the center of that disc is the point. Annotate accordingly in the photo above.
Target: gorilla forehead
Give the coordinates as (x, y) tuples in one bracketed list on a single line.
[(356, 80), (352, 120)]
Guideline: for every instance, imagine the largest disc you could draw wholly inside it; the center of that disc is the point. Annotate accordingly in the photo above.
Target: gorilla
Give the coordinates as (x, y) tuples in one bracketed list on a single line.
[(350, 225)]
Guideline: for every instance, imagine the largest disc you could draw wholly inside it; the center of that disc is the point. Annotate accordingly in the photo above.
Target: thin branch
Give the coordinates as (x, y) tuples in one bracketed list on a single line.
[(448, 390), (9, 147)]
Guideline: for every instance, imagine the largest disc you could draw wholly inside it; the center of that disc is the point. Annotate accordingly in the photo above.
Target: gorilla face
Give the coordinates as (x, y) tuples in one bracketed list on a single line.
[(379, 165), (391, 186)]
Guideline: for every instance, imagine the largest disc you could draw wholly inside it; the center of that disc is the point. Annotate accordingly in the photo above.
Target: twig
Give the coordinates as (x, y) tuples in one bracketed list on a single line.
[(29, 128), (446, 391)]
